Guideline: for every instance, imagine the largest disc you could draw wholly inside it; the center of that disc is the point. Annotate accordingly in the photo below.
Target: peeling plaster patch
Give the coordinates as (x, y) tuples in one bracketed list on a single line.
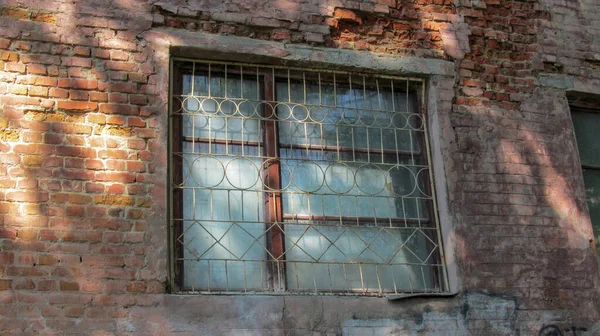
[(499, 314), (456, 40)]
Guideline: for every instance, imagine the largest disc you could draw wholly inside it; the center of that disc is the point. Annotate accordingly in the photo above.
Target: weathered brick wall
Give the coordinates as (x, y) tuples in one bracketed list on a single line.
[(83, 152)]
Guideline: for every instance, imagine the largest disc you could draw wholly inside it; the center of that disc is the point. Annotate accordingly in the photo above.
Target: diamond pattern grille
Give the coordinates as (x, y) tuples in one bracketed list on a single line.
[(294, 181)]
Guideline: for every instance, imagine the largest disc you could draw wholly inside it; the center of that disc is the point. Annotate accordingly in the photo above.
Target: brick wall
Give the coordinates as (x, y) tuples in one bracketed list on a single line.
[(83, 153)]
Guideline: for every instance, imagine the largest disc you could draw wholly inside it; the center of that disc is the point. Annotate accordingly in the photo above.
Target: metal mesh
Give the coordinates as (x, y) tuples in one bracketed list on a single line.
[(289, 180)]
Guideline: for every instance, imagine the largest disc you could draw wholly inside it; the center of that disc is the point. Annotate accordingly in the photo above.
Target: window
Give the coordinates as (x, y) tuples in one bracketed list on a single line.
[(290, 180), (587, 123)]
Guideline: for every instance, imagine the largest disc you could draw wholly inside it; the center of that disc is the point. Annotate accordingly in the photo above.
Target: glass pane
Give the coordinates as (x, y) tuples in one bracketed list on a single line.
[(356, 258), (591, 179), (222, 212), (586, 131), (229, 111), (223, 222), (350, 189), (354, 186)]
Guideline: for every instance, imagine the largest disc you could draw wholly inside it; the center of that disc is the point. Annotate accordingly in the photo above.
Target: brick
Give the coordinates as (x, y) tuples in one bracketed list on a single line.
[(58, 93), (76, 62), (47, 259), (69, 286), (46, 81), (98, 96), (15, 67), (84, 84), (5, 284), (121, 66), (81, 51), (75, 151), (43, 17), (36, 69), (26, 196), (119, 109), (115, 177), (36, 91)]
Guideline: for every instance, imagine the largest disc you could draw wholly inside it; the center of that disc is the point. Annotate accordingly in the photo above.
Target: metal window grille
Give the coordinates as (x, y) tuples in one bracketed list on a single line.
[(287, 180)]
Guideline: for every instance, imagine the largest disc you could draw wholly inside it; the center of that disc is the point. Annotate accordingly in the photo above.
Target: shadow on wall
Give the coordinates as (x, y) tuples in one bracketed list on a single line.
[(525, 207), (73, 151), (77, 157)]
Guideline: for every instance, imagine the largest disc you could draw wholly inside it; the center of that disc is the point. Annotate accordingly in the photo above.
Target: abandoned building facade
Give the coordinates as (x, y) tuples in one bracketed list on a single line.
[(300, 167)]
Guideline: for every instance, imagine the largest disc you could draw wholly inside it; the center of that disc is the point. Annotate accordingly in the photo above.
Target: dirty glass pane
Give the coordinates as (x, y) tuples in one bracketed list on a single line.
[(223, 224), (586, 131), (591, 178), (586, 126), (341, 167)]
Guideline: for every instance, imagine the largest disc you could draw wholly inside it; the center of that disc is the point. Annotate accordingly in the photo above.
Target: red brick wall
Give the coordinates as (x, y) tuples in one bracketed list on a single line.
[(83, 149)]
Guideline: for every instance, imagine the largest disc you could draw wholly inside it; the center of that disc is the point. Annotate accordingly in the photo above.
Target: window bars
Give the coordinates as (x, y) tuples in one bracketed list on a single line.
[(287, 180)]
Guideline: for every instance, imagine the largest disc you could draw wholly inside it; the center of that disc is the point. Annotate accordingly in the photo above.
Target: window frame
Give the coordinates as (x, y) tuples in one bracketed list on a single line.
[(271, 147)]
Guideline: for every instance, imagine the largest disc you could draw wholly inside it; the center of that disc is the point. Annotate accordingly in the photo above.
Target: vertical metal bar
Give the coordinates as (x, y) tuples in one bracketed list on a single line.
[(210, 193), (193, 78), (208, 284), (170, 196), (364, 93), (378, 280), (362, 280), (394, 279), (315, 278), (393, 96), (346, 277), (306, 140), (241, 82), (209, 80), (337, 142), (226, 276), (229, 205), (210, 134), (320, 95), (304, 85), (245, 276), (329, 273), (334, 92), (193, 278), (289, 87), (378, 96), (381, 147), (369, 146), (353, 144)]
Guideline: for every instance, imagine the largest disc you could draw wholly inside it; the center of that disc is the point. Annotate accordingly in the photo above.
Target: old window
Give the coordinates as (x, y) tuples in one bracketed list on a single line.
[(587, 123), (290, 180)]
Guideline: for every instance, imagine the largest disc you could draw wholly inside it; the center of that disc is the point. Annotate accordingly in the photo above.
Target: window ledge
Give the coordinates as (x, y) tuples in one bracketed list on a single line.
[(394, 297)]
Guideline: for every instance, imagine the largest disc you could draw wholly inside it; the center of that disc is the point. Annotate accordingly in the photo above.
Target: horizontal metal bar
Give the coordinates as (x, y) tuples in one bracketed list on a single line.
[(222, 142), (349, 149), (310, 262), (278, 102), (358, 220), (592, 167), (422, 228), (300, 146), (282, 67)]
